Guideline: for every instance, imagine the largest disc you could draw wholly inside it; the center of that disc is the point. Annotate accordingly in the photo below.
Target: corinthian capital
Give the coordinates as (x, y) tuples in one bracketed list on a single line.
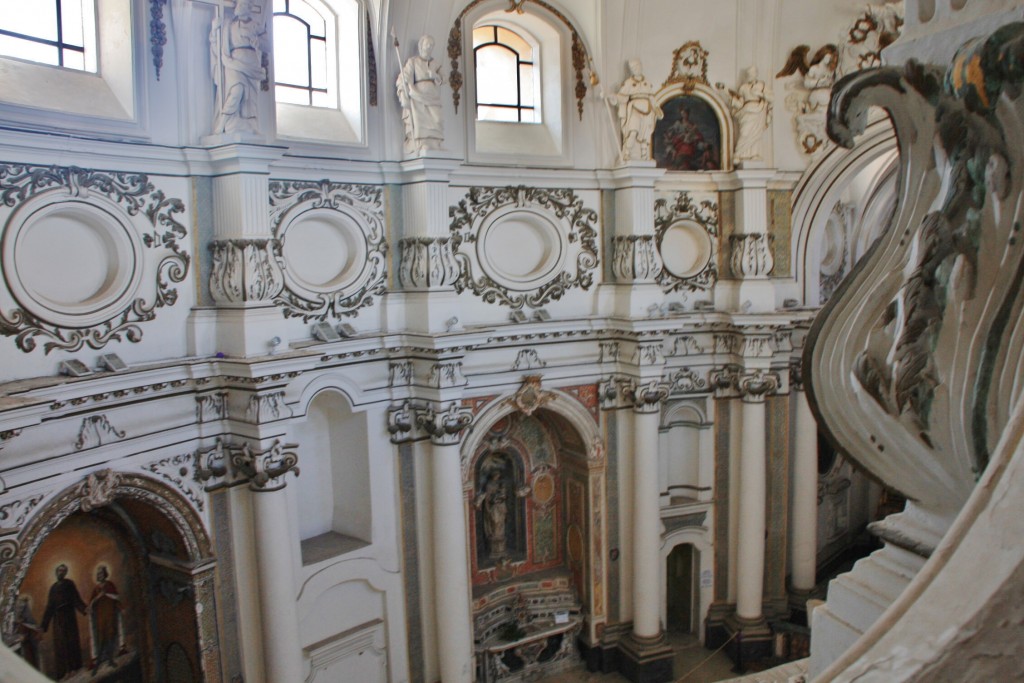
[(266, 469), (648, 397), (756, 385), (445, 427)]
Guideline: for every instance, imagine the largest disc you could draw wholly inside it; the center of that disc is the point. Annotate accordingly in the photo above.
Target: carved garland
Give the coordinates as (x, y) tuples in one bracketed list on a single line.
[(580, 58), (289, 199), (134, 194), (705, 214), (563, 204)]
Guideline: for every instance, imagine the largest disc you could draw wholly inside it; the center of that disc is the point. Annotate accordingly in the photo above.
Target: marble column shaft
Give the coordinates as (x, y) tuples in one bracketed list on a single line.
[(753, 477), (646, 527), (804, 508)]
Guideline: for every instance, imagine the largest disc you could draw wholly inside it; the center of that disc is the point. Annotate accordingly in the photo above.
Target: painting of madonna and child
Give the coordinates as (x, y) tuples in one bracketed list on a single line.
[(76, 613), (688, 137)]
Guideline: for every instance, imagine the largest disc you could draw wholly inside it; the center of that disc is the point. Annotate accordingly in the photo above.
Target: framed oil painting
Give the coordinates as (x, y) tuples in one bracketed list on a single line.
[(688, 138)]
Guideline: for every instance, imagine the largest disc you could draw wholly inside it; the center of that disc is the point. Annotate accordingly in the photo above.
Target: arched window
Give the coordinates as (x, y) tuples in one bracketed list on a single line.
[(506, 68), (55, 32), (300, 52), (318, 76)]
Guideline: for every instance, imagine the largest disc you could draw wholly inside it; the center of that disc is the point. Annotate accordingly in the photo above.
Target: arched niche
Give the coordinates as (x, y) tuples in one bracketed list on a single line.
[(696, 132), (123, 535), (686, 453), (333, 495), (562, 498)]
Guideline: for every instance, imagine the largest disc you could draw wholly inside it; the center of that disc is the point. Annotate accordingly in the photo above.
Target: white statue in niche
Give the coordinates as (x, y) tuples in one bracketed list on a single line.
[(752, 112), (238, 62), (638, 113), (420, 95)]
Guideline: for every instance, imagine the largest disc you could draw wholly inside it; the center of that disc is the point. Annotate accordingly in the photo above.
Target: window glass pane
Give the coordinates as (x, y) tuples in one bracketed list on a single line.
[(318, 48), (71, 26), (282, 93), (24, 49), (290, 52), (496, 113), (322, 99), (496, 76), (73, 59), (309, 15), (37, 18), (530, 116), (526, 86), (483, 34), (516, 43), (280, 6)]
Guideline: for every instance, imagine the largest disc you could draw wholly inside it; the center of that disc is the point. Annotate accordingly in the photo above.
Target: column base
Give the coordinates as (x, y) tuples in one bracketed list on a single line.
[(715, 630), (798, 598), (752, 640), (603, 654), (646, 660)]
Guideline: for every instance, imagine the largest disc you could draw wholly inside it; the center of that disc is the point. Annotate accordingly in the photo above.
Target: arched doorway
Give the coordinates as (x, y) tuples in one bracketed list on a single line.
[(682, 597), (113, 581)]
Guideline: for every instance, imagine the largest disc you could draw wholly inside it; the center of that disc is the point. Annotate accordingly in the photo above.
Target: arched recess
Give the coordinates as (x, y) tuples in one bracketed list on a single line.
[(577, 492), (697, 536), (333, 497), (822, 187), (685, 453), (155, 551)]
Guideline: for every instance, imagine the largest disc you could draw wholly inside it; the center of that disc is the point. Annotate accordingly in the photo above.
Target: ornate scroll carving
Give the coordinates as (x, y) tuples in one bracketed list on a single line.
[(13, 514), (635, 258), (580, 59), (178, 471), (647, 397), (128, 195), (528, 359), (686, 381), (700, 222), (356, 214), (94, 430), (267, 407), (564, 220), (244, 270), (426, 262), (755, 386), (752, 256)]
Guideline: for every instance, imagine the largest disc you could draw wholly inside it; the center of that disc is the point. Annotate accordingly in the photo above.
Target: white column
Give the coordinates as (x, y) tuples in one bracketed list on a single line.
[(646, 525), (451, 567), (804, 509), (750, 553), (282, 651)]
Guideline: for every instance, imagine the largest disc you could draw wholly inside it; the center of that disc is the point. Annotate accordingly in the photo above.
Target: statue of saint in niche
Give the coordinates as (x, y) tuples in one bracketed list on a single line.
[(238, 62), (493, 499)]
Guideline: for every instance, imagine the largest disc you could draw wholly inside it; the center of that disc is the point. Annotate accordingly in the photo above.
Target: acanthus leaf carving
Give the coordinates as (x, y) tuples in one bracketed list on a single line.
[(528, 359), (447, 374), (426, 263), (211, 407), (635, 258), (244, 270), (752, 255), (267, 407)]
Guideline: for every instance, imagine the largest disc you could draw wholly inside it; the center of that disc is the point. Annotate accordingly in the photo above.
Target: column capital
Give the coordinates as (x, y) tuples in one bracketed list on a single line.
[(647, 397), (755, 386), (230, 464), (752, 256), (409, 421), (796, 374)]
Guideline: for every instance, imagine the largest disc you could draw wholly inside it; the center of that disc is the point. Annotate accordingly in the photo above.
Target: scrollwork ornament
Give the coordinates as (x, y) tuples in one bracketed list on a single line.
[(179, 471), (363, 206), (686, 381), (668, 213), (530, 397), (580, 233), (134, 195)]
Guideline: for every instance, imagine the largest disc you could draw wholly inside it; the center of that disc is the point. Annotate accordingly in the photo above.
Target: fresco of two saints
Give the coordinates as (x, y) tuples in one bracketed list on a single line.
[(60, 624), (75, 617)]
